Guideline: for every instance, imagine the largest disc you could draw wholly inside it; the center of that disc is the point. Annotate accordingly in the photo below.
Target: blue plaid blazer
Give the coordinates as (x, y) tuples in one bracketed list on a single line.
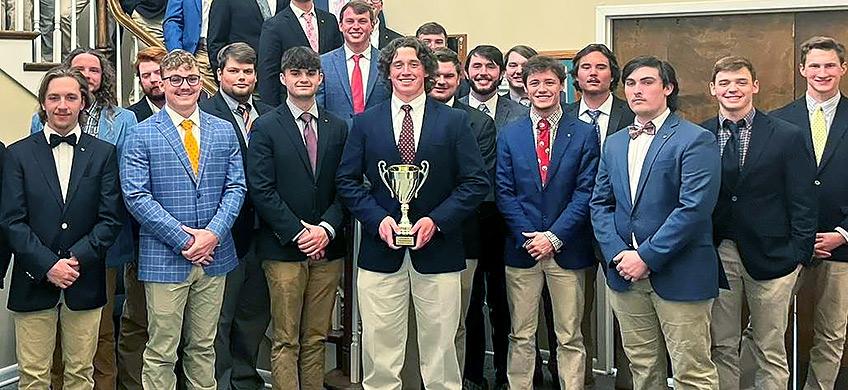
[(163, 194)]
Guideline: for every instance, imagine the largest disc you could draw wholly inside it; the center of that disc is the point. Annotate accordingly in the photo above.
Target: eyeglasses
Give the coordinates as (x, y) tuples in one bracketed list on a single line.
[(177, 80)]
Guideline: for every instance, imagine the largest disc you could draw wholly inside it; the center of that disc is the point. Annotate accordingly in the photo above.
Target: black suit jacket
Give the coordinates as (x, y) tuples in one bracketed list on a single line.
[(830, 174), (5, 252), (242, 229), (42, 228), (483, 128), (147, 8), (386, 35), (141, 109), (285, 190), (620, 114), (455, 186), (235, 21), (281, 33), (772, 209)]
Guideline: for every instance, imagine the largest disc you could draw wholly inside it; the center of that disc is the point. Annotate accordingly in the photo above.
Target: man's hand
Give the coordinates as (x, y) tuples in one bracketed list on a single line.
[(200, 251), (538, 246), (64, 273), (826, 243), (313, 240), (423, 230), (388, 227), (317, 257), (631, 266)]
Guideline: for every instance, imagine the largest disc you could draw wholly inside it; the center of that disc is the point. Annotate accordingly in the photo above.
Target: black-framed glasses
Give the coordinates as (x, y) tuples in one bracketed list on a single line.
[(177, 80)]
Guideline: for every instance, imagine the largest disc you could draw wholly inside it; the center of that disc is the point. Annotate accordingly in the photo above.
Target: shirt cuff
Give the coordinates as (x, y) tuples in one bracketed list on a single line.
[(555, 241), (300, 233), (329, 228), (843, 232)]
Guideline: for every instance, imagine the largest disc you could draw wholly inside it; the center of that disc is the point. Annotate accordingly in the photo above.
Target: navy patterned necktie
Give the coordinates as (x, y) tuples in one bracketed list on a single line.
[(595, 114)]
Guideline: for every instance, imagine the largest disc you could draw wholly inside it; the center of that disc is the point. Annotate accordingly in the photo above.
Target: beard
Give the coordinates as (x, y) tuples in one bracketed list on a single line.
[(485, 91)]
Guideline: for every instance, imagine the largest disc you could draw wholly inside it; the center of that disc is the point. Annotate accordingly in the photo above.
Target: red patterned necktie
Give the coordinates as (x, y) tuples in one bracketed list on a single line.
[(406, 141), (311, 34), (543, 147), (356, 88)]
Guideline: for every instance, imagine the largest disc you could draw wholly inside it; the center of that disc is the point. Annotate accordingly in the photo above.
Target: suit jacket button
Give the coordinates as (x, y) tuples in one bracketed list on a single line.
[(199, 195), (816, 182), (64, 226), (734, 198)]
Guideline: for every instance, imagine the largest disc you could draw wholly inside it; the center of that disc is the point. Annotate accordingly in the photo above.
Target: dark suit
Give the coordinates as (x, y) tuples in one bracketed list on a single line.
[(42, 228), (620, 114), (282, 32), (386, 34), (507, 111), (5, 252), (244, 312), (235, 21), (141, 110)]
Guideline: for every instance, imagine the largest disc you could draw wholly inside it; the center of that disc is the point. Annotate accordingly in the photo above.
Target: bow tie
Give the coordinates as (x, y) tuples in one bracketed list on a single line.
[(56, 139), (635, 131)]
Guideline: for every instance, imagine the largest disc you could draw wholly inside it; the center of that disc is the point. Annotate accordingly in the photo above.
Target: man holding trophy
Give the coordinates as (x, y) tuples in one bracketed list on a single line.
[(426, 177)]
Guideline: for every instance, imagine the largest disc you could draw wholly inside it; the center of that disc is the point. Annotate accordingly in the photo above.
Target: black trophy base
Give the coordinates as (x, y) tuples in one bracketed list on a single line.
[(404, 240)]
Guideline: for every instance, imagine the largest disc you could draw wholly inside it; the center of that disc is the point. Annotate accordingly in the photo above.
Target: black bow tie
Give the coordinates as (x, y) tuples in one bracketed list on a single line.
[(56, 139)]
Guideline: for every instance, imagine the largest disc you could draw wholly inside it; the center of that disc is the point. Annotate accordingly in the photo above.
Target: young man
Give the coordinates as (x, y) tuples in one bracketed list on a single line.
[(435, 37), (549, 236), (110, 123), (186, 27), (761, 165), (429, 272), (515, 60), (150, 78), (656, 188), (444, 90), (822, 113), (244, 315), (61, 211), (484, 69), (352, 82), (299, 24), (238, 21), (291, 167), (183, 181)]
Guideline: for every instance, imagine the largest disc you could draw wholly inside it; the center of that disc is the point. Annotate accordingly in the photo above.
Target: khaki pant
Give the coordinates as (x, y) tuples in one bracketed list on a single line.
[(829, 322), (524, 290), (302, 295), (133, 334), (768, 304), (384, 300), (190, 310), (152, 26), (105, 371), (203, 66), (35, 341), (649, 324), (466, 279)]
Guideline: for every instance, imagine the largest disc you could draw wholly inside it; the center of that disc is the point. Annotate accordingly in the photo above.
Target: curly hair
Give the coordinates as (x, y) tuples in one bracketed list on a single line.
[(424, 54), (58, 72), (106, 96)]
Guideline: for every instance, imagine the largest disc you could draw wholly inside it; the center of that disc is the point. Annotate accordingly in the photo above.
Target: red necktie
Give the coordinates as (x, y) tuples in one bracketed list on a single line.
[(406, 141), (356, 86), (543, 148)]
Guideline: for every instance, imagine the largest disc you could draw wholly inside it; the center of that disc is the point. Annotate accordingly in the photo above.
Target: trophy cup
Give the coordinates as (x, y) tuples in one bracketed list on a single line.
[(404, 181)]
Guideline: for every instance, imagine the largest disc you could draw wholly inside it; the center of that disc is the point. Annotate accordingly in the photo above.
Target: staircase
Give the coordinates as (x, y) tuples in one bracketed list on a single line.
[(16, 59)]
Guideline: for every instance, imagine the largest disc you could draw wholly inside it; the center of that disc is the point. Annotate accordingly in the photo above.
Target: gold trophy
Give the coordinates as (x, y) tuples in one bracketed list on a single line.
[(404, 181)]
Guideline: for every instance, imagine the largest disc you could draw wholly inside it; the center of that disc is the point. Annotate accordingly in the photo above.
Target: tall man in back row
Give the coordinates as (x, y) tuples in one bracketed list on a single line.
[(409, 129)]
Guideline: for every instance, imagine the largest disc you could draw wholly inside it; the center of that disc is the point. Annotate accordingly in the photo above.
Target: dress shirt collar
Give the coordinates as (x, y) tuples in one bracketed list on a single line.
[(297, 112), (349, 53), (298, 13), (177, 119), (77, 131), (748, 118), (492, 103), (417, 104), (658, 121), (233, 103), (605, 108), (153, 108), (451, 101), (828, 105), (553, 118)]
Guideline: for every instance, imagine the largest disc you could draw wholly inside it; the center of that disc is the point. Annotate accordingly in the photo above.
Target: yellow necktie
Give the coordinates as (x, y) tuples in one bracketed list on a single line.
[(191, 146), (818, 126)]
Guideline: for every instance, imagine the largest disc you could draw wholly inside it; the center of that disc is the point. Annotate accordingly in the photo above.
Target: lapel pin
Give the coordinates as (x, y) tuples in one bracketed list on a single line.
[(82, 149)]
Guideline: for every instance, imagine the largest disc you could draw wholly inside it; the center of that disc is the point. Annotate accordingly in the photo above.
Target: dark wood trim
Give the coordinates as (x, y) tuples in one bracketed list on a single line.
[(39, 66), (19, 35)]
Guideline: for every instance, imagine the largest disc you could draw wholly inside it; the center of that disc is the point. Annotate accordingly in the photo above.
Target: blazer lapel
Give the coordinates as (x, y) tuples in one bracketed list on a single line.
[(837, 131), (169, 131), (294, 26), (289, 126), (44, 158), (615, 117), (429, 130), (323, 140), (207, 137), (323, 30), (386, 133), (81, 157), (563, 138), (340, 63), (373, 74), (761, 133), (527, 145), (659, 140)]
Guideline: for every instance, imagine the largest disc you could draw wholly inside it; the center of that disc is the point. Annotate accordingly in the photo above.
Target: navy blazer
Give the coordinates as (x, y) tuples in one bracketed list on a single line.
[(771, 212), (454, 188), (671, 216), (561, 206), (181, 28), (334, 93)]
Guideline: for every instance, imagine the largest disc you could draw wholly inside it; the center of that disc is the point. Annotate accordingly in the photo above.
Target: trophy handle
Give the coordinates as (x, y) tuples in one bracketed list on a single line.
[(425, 169), (384, 173)]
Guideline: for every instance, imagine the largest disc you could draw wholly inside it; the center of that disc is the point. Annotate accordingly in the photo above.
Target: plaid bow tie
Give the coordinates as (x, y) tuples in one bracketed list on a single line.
[(635, 131)]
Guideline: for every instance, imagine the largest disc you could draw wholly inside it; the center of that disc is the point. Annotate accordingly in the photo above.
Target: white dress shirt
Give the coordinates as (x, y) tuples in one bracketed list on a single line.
[(153, 108), (178, 119), (232, 104), (417, 114), (296, 113), (298, 13), (375, 34), (364, 65), (636, 153), (603, 119), (204, 22), (63, 157), (491, 104)]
